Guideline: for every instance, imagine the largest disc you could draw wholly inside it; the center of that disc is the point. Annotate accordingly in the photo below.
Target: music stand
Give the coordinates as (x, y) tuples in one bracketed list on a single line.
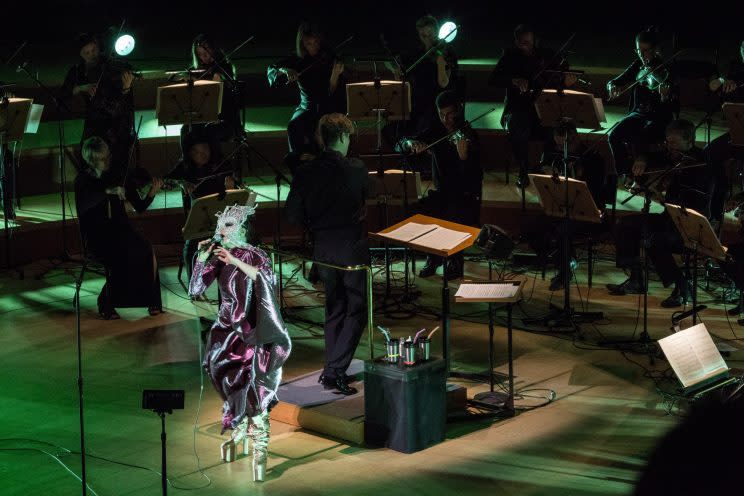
[(586, 110), (189, 103), (698, 236), (407, 233), (571, 201), (14, 119), (202, 219), (492, 292)]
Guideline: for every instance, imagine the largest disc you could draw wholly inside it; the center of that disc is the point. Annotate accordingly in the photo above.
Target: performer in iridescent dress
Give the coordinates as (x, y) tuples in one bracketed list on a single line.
[(248, 342)]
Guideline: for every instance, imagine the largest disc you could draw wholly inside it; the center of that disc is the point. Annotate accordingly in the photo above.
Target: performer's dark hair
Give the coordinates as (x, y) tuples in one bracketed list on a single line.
[(332, 126), (683, 128), (448, 98), (522, 29), (208, 43), (649, 35)]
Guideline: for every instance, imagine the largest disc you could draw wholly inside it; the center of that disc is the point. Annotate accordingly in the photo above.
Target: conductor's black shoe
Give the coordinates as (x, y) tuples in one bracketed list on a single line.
[(454, 271), (339, 384), (630, 286), (347, 378), (678, 297), (429, 269)]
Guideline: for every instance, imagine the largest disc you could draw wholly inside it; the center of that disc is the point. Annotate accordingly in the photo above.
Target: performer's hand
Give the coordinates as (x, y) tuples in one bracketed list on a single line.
[(728, 86), (157, 185), (665, 92), (225, 255), (118, 191), (522, 84), (204, 254), (639, 167), (229, 182), (126, 80), (290, 73), (570, 79), (612, 90), (188, 187), (338, 68), (441, 60), (90, 89), (463, 146)]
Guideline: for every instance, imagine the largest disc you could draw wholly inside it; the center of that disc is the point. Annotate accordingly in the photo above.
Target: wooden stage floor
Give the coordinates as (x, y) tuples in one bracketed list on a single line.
[(592, 439)]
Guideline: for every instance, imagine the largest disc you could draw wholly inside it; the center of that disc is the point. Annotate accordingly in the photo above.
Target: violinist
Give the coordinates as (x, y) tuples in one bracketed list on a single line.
[(108, 236), (434, 74), (201, 172), (730, 87), (653, 102), (106, 87), (690, 186), (456, 173), (208, 57), (523, 70), (318, 75)]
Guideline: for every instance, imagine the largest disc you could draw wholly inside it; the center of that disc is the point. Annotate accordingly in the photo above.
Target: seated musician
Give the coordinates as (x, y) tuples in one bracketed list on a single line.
[(731, 89), (318, 75), (584, 164), (689, 187), (110, 238), (456, 173), (523, 70), (207, 56), (201, 172), (653, 101)]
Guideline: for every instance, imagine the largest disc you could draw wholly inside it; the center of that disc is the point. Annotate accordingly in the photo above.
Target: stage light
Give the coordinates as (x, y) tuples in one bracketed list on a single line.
[(448, 31), (124, 45)]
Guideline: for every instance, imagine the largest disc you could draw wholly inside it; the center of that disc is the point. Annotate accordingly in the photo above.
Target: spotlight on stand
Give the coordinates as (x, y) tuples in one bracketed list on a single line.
[(448, 31), (494, 242), (124, 45)]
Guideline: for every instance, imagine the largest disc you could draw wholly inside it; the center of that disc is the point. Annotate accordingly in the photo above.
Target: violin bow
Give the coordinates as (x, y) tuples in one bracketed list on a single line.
[(659, 66), (465, 125), (335, 51)]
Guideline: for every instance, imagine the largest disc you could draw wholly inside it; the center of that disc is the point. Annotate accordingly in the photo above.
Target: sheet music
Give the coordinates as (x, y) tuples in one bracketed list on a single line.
[(442, 238), (488, 290), (34, 118), (693, 355), (410, 231)]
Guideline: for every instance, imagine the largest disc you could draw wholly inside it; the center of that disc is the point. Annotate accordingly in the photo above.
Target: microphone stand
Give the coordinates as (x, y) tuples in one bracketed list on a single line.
[(60, 106), (76, 301)]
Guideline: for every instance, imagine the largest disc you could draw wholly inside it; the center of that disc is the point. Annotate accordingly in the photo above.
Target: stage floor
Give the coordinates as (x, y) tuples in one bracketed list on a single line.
[(593, 439)]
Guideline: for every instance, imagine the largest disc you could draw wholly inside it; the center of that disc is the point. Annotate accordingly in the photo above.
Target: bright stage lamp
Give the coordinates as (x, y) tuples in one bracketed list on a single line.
[(124, 45), (448, 31)]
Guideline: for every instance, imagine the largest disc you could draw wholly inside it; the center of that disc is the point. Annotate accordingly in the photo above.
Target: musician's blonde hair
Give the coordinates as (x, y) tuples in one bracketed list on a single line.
[(94, 149)]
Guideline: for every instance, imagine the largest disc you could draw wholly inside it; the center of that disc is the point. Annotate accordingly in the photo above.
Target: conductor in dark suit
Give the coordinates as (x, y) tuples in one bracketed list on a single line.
[(328, 196)]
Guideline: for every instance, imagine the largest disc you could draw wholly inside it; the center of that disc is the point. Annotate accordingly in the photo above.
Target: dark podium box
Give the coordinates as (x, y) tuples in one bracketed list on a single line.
[(405, 408)]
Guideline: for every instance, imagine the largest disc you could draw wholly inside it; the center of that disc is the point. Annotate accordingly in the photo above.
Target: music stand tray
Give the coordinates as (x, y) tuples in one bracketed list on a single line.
[(552, 197), (697, 233), (364, 104), (189, 102), (586, 110), (14, 119), (390, 184), (437, 237), (202, 219), (734, 113)]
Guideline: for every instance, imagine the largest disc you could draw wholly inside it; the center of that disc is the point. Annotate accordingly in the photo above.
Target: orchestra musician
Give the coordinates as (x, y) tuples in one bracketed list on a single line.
[(523, 70), (456, 173), (108, 236), (319, 78), (105, 85), (690, 186), (200, 172), (653, 102), (730, 87)]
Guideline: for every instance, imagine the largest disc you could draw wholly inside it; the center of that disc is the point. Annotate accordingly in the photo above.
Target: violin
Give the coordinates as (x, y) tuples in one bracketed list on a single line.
[(653, 78)]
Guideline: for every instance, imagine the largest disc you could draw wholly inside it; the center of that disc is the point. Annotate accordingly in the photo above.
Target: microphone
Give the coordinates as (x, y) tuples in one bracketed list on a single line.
[(676, 320), (22, 66)]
